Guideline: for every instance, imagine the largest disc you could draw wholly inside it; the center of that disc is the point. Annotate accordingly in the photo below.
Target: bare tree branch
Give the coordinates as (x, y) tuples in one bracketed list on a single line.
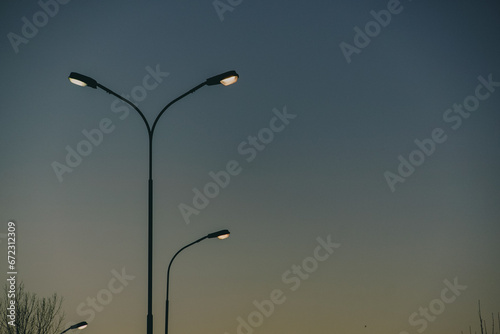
[(33, 314)]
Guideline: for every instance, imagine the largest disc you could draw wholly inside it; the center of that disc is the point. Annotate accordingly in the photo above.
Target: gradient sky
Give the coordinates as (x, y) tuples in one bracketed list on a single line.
[(321, 176)]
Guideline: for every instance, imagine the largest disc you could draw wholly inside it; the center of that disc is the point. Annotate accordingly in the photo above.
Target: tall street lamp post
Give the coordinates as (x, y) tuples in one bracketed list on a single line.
[(222, 234), (226, 79)]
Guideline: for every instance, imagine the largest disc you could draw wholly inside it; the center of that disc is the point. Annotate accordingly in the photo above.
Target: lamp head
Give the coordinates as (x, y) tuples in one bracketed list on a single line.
[(226, 78), (82, 80), (222, 234), (80, 325)]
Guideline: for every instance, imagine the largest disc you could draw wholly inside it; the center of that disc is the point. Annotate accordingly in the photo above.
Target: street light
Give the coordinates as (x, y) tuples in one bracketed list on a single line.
[(222, 234), (82, 80), (226, 78), (80, 325)]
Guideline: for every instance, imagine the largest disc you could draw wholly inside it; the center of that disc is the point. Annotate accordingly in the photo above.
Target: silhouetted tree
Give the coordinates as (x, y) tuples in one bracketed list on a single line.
[(33, 314), (482, 322)]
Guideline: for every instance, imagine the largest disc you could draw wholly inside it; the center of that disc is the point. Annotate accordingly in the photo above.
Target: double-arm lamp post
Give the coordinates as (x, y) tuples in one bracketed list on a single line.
[(226, 79)]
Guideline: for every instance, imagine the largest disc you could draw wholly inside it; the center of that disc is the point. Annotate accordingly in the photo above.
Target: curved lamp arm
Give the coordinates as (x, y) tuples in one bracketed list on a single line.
[(226, 79), (222, 234)]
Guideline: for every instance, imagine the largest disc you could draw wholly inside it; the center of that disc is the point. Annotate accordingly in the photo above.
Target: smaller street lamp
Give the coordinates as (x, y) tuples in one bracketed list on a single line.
[(222, 234), (80, 325)]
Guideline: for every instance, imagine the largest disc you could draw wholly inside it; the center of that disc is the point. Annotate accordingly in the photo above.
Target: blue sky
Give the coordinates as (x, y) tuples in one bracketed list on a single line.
[(320, 174)]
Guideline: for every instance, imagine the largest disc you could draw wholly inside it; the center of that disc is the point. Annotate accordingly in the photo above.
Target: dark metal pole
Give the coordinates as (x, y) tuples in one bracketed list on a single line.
[(168, 279), (150, 237)]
